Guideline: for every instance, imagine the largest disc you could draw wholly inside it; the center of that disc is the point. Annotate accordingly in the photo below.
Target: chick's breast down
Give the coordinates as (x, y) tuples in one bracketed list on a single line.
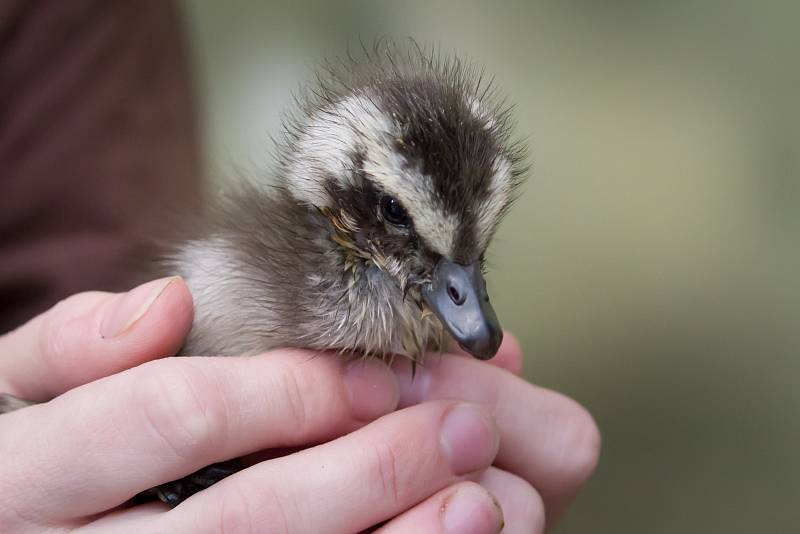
[(391, 168)]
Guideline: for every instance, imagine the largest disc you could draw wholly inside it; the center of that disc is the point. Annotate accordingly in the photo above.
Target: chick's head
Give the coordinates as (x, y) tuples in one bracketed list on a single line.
[(412, 162)]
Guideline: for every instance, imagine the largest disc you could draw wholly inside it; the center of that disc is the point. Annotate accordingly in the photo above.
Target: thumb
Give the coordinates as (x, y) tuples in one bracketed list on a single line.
[(91, 335)]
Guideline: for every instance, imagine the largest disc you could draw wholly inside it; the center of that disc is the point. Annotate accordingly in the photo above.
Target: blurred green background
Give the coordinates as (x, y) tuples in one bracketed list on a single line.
[(651, 266)]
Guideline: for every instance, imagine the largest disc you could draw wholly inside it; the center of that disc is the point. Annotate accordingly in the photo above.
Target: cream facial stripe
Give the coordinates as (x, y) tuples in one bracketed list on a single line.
[(389, 170), (324, 150), (319, 151), (499, 193), (492, 207)]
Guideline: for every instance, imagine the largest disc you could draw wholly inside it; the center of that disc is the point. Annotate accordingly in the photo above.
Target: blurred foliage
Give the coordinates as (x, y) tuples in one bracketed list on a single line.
[(651, 267)]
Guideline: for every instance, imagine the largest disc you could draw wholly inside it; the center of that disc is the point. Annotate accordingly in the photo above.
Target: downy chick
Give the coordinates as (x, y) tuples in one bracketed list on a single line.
[(390, 181)]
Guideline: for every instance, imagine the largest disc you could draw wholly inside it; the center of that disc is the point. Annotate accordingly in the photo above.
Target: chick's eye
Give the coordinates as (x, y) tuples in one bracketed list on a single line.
[(394, 212)]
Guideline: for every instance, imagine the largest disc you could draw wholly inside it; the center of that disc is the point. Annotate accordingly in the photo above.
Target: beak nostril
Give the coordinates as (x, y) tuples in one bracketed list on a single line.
[(455, 296)]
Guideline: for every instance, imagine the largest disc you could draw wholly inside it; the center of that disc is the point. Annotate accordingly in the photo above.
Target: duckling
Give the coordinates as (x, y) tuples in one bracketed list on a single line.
[(390, 181)]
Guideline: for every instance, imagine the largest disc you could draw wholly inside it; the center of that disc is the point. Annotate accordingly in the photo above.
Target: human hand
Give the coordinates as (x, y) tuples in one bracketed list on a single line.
[(118, 424), (549, 444)]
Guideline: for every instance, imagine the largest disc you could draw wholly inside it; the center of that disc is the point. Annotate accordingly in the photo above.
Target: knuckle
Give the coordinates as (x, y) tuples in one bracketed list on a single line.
[(244, 506), (310, 395), (236, 511), (293, 401), (385, 472), (581, 443), (181, 405)]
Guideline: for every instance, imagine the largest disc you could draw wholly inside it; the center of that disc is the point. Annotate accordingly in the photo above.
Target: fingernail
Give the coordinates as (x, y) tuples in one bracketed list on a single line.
[(472, 510), (469, 438), (129, 307), (372, 388)]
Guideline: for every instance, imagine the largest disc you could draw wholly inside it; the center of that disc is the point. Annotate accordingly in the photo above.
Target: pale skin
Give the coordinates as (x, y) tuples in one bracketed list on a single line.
[(463, 447)]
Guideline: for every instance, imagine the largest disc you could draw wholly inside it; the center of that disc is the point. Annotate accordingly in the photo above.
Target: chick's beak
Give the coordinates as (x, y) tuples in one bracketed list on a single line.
[(457, 295)]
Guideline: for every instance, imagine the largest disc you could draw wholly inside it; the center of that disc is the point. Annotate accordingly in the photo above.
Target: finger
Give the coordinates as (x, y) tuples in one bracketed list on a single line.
[(352, 483), (100, 444), (523, 509), (463, 508), (508, 357), (547, 439), (91, 335)]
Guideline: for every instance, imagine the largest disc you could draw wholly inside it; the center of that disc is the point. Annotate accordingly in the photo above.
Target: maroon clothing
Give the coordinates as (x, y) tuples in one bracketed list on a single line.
[(97, 139)]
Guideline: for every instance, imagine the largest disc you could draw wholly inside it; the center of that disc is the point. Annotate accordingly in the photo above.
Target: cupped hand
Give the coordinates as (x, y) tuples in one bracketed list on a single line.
[(549, 444), (118, 418)]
